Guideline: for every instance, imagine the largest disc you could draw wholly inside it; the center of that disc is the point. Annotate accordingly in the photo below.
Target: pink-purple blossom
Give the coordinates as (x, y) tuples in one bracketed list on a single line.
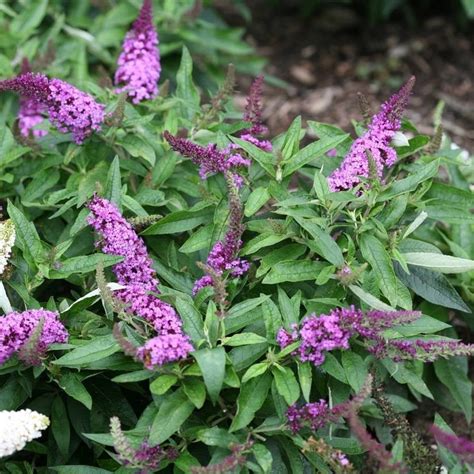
[(463, 448), (17, 328), (374, 145), (68, 108), (320, 334), (210, 159), (253, 114), (135, 272), (139, 62)]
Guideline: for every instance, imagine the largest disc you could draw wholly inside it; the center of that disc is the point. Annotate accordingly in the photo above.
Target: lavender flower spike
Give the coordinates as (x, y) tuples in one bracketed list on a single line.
[(253, 114), (139, 62), (461, 447), (69, 109), (31, 112), (210, 159), (374, 144), (137, 274), (17, 328)]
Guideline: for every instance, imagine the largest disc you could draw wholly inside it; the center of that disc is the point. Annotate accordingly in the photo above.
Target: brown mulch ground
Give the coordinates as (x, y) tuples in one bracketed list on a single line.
[(328, 57)]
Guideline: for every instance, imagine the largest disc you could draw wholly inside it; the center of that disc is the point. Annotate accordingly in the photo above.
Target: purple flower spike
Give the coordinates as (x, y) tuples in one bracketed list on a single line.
[(164, 349), (69, 109), (139, 62), (17, 328), (461, 447), (210, 159), (137, 274), (31, 112), (253, 114), (374, 143)]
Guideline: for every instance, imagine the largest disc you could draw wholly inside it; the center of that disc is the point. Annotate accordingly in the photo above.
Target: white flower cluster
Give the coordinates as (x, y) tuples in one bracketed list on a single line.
[(7, 239), (18, 428)]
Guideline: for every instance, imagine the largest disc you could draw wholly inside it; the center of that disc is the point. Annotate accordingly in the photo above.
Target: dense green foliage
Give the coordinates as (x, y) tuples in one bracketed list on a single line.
[(408, 241)]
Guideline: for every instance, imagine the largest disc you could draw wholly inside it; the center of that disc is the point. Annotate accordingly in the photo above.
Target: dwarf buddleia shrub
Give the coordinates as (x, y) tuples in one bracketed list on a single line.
[(184, 293)]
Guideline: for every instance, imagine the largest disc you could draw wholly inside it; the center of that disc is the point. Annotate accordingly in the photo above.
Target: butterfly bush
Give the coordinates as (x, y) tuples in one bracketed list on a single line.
[(139, 62), (373, 145), (17, 328), (136, 273), (68, 108), (18, 428)]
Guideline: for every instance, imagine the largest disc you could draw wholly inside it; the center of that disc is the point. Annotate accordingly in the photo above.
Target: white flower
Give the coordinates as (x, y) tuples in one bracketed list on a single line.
[(18, 428), (7, 239)]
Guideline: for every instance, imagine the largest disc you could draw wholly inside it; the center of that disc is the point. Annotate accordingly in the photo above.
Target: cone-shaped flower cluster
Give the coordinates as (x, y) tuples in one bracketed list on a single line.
[(16, 329), (31, 112), (18, 428), (68, 108), (373, 148), (7, 240), (136, 273), (253, 114), (210, 159), (318, 334), (223, 256), (139, 62)]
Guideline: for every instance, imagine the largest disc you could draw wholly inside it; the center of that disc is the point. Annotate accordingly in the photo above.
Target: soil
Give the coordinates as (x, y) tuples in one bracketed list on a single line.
[(328, 57)]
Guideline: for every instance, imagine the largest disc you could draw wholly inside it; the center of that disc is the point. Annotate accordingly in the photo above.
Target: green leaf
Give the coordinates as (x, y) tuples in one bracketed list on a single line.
[(264, 159), (242, 357), (334, 368), (424, 172), (173, 412), (355, 368), (251, 398), (113, 185), (292, 139), (450, 214), (135, 376), (375, 254), (242, 314), (286, 384), (138, 148), (216, 437), (25, 23), (71, 383), (212, 365), (324, 244), (257, 198), (162, 384), (201, 239), (96, 349), (453, 375), (192, 320), (185, 88), (83, 264), (180, 221), (254, 371), (369, 299), (264, 457), (293, 271), (262, 241), (272, 319), (311, 152), (432, 286), (404, 375), (305, 376), (26, 234), (60, 425), (439, 262), (195, 390), (244, 339)]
